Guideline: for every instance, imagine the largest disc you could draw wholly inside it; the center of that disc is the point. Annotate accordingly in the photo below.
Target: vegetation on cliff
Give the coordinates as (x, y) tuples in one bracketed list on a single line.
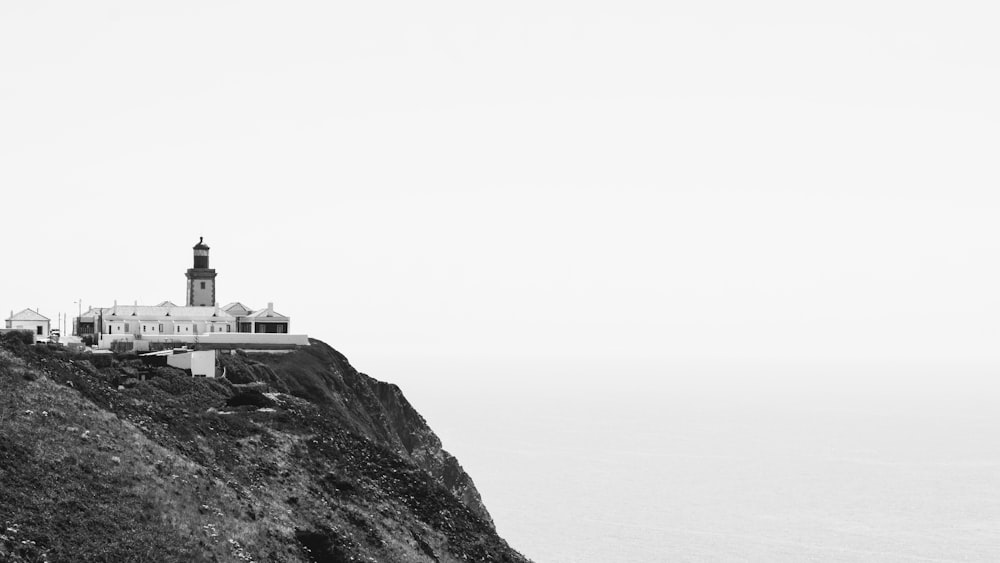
[(294, 457)]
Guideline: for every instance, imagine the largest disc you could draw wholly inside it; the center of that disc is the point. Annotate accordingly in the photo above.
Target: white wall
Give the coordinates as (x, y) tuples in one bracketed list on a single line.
[(201, 363), (33, 327), (241, 338), (246, 338)]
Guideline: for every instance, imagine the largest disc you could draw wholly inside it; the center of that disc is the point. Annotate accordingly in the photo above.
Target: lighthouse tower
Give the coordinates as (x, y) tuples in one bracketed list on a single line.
[(201, 278)]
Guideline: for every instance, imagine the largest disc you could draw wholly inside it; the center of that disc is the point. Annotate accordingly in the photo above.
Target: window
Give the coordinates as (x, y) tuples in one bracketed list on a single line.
[(229, 328), (161, 327), (126, 327), (203, 285), (39, 329)]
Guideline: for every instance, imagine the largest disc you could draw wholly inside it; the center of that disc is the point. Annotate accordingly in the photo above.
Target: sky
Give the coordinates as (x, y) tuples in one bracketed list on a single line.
[(565, 193), (547, 181)]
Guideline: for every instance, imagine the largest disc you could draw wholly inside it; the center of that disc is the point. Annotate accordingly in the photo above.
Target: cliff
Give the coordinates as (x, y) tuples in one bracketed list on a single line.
[(366, 406), (291, 457)]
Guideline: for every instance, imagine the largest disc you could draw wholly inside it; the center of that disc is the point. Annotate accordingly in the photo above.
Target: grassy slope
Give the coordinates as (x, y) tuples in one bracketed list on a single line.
[(164, 471)]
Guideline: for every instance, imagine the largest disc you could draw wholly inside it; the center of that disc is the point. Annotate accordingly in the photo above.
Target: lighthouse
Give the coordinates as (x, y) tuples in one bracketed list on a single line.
[(201, 278)]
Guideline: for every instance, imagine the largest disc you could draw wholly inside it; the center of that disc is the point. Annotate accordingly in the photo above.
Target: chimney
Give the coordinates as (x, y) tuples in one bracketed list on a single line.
[(270, 306)]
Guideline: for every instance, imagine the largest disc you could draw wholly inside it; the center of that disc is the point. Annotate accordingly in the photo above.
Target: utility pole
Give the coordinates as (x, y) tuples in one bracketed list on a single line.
[(79, 313)]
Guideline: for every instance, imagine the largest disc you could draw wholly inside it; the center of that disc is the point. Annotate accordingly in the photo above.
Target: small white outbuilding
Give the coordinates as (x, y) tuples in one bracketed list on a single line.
[(32, 320)]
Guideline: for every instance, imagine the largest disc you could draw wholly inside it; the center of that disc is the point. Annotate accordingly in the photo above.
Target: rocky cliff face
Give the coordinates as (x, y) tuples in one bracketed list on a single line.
[(369, 407), (294, 457)]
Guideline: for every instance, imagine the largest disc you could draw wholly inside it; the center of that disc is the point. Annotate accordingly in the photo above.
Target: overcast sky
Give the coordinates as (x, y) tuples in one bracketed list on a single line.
[(542, 180)]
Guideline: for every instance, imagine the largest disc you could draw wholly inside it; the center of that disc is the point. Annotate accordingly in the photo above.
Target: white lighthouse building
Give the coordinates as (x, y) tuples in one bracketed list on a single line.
[(201, 278), (201, 322)]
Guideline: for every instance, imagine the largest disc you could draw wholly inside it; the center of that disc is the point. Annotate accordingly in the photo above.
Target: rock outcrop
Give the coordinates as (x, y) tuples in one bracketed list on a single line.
[(370, 407)]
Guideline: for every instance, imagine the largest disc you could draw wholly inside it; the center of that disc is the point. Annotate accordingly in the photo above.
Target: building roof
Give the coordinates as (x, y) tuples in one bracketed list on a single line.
[(125, 312), (168, 311), (237, 308), (90, 312), (28, 315), (268, 313), (201, 244)]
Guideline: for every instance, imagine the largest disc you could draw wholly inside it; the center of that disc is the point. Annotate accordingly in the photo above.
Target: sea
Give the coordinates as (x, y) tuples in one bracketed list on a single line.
[(584, 462)]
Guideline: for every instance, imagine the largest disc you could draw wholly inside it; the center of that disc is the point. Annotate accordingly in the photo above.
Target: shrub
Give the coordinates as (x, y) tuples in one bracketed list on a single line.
[(121, 346), (250, 397), (101, 360), (17, 336)]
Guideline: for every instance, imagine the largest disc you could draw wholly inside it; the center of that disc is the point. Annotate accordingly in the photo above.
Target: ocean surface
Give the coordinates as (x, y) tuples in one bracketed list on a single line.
[(599, 463)]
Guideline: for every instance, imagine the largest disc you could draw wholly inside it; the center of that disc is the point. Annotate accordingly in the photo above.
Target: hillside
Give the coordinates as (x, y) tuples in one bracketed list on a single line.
[(294, 457)]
